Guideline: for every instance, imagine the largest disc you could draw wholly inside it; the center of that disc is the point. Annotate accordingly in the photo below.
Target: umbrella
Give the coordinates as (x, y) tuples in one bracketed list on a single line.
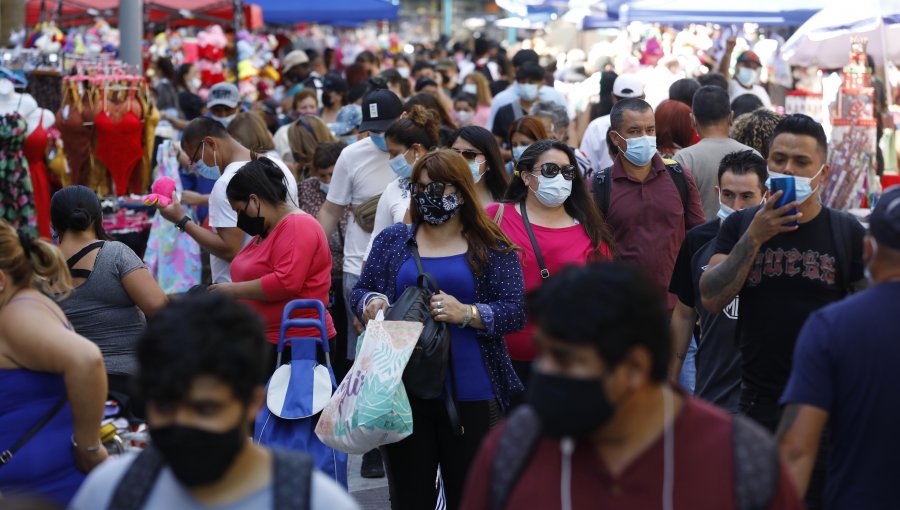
[(824, 40)]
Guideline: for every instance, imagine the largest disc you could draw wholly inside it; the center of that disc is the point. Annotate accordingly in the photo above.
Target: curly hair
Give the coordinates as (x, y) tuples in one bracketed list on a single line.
[(755, 129)]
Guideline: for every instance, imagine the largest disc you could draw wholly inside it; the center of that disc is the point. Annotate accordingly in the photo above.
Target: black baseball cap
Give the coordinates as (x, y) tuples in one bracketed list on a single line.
[(381, 107), (884, 222), (333, 83), (425, 82)]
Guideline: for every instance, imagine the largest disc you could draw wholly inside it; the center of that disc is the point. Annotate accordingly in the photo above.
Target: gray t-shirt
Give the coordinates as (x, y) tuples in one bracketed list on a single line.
[(168, 494), (703, 159), (101, 311)]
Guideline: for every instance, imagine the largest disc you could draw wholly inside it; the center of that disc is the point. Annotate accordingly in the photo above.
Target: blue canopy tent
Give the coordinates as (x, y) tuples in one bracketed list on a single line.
[(332, 12), (763, 12)]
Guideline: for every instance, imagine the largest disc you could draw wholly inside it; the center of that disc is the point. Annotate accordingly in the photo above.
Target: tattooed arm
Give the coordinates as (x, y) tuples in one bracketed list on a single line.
[(725, 277), (798, 436)]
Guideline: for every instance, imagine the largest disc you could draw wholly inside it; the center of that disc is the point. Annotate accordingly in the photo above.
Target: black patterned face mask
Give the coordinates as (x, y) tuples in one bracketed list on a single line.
[(437, 212)]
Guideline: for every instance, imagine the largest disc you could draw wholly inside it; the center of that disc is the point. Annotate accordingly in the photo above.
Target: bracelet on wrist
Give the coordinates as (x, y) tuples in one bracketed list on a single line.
[(90, 449), (467, 318)]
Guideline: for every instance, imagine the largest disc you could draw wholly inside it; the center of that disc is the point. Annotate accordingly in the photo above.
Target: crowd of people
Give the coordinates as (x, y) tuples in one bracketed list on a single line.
[(640, 315)]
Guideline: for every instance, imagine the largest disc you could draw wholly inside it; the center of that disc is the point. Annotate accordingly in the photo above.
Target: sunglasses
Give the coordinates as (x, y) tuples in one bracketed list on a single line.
[(469, 154), (433, 190), (195, 158), (551, 170)]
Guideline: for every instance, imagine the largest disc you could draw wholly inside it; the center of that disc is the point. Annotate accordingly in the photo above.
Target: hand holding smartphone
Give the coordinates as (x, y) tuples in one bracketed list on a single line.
[(785, 184)]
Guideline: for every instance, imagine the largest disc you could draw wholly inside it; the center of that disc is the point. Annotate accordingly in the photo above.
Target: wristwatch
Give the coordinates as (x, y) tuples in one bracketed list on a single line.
[(183, 223)]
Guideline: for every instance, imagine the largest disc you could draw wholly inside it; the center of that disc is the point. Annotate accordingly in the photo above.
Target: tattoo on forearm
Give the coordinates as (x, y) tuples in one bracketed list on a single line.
[(787, 420), (722, 283)]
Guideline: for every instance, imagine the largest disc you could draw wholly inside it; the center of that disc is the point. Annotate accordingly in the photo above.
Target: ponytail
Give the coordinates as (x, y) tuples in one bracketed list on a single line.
[(33, 262)]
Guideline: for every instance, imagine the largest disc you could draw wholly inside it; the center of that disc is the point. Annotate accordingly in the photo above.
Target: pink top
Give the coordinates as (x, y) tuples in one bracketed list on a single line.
[(560, 247), (293, 262), (482, 115)]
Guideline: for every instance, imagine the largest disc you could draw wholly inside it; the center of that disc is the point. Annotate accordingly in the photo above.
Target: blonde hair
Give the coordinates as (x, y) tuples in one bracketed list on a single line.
[(43, 268), (484, 89), (249, 129), (304, 136)]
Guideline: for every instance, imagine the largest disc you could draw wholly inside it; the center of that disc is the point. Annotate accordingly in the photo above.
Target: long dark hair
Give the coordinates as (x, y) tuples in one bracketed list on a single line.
[(430, 103), (262, 178), (482, 234), (496, 178), (77, 208), (579, 205)]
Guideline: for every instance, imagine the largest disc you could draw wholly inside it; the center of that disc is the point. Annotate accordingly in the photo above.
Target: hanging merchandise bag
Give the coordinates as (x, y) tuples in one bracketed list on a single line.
[(298, 391), (371, 408)]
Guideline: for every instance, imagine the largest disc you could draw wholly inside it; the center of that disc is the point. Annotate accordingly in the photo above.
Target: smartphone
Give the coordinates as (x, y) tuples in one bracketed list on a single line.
[(785, 184)]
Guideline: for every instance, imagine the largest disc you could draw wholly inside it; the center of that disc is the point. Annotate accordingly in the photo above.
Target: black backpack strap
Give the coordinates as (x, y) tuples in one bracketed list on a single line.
[(74, 259), (843, 246), (602, 189), (545, 273), (292, 480), (517, 443), (680, 179), (757, 467), (136, 485), (7, 455)]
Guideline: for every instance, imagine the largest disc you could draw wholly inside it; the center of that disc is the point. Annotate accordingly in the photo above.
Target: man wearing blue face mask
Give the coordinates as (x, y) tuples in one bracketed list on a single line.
[(649, 203), (529, 81), (215, 155), (746, 78), (741, 178)]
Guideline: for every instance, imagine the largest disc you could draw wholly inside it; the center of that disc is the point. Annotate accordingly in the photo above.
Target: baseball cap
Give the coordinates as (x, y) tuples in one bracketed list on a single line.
[(749, 57), (334, 84), (884, 222), (294, 58), (424, 82), (628, 86), (224, 93), (348, 119), (380, 108)]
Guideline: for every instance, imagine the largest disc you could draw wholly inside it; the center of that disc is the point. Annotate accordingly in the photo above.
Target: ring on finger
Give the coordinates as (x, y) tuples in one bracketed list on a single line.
[(439, 310)]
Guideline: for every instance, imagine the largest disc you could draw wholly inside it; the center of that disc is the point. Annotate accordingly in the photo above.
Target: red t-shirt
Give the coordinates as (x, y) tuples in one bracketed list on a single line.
[(293, 262), (560, 247), (704, 472)]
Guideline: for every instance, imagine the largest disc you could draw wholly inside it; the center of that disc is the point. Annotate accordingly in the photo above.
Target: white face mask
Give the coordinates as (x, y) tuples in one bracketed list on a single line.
[(470, 88), (465, 118), (196, 83), (404, 72), (747, 77), (553, 191)]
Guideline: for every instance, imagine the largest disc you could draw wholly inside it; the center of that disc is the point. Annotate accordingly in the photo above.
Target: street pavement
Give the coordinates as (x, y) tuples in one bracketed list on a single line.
[(370, 493)]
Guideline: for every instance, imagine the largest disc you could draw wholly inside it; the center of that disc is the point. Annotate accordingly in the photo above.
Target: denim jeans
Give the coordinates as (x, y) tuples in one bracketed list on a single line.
[(688, 377), (350, 280)]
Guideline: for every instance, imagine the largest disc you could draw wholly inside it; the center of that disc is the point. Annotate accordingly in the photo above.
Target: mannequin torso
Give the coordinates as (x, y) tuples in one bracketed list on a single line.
[(11, 101)]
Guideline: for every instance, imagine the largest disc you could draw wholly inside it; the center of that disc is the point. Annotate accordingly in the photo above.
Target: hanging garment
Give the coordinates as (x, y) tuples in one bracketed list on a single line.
[(173, 258), (16, 202), (78, 138), (140, 180), (36, 154), (119, 143)]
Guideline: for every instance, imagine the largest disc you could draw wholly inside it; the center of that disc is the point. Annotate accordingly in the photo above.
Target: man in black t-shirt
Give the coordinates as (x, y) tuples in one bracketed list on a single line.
[(782, 271), (741, 178)]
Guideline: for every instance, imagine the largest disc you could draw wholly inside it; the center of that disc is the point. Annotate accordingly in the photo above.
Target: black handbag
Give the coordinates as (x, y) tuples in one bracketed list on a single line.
[(426, 372)]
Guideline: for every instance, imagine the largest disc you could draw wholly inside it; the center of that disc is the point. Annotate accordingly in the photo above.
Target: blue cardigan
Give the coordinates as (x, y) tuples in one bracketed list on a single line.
[(500, 292)]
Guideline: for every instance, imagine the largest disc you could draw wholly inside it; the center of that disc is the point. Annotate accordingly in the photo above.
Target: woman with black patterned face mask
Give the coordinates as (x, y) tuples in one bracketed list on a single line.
[(481, 299)]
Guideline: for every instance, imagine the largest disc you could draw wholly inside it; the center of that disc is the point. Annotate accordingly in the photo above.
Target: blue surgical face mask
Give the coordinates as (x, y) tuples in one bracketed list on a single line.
[(518, 151), (475, 168), (401, 166), (379, 141), (802, 185), (528, 91), (209, 172), (324, 187), (553, 191), (640, 150), (724, 211), (349, 139), (225, 121)]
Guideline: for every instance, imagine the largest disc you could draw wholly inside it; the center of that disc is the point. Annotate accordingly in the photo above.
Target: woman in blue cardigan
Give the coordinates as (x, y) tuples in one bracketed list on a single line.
[(482, 299)]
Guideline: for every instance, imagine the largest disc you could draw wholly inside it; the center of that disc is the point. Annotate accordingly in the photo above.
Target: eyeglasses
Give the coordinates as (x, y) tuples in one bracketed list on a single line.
[(468, 154), (194, 160), (551, 170), (433, 190)]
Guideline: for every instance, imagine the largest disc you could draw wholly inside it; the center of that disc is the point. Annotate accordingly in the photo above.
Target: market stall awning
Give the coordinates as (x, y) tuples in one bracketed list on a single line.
[(173, 12), (763, 12), (334, 12)]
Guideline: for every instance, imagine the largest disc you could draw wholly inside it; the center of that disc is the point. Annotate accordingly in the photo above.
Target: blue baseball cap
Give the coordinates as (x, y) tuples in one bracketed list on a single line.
[(884, 223), (348, 119)]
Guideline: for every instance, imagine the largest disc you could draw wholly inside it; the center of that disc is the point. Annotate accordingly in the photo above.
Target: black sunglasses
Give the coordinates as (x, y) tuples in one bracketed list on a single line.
[(433, 190), (469, 154), (194, 159), (551, 170)]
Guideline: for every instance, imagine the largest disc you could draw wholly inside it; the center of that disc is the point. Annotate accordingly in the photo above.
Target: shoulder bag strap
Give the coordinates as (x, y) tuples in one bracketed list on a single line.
[(7, 455), (680, 181), (292, 480), (603, 190), (74, 259), (545, 273), (136, 485)]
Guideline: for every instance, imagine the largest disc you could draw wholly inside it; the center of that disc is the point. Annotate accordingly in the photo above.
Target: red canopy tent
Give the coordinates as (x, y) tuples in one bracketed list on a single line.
[(171, 12)]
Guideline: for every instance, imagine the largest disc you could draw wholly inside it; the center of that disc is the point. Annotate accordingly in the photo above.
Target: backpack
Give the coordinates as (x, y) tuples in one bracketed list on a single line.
[(757, 467), (602, 187), (840, 237), (291, 481), (425, 375)]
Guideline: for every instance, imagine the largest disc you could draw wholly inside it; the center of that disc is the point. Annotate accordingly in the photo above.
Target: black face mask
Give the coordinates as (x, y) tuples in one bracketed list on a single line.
[(568, 406), (437, 212), (252, 226), (327, 101), (198, 457)]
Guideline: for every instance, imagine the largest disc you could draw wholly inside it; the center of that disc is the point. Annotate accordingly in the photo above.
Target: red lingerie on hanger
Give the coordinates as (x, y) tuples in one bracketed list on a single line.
[(35, 153), (119, 143)]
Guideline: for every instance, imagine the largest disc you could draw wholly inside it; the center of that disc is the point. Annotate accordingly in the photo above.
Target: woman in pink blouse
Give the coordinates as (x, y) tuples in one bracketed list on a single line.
[(549, 214), (288, 257)]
